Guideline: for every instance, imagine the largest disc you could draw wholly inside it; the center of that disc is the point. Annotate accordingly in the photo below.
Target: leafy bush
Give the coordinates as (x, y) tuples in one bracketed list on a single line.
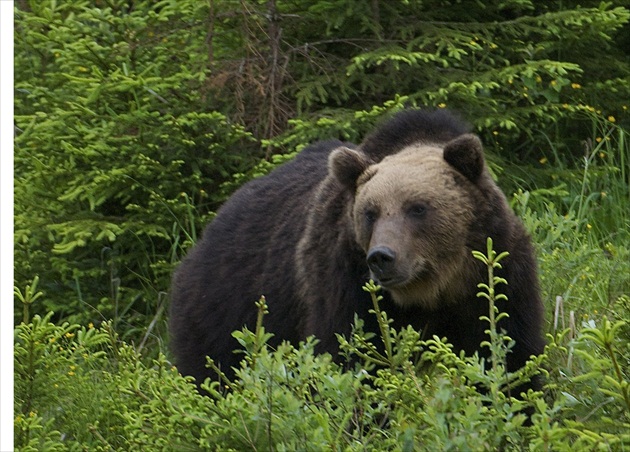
[(116, 170), (291, 399), (133, 118), (136, 119)]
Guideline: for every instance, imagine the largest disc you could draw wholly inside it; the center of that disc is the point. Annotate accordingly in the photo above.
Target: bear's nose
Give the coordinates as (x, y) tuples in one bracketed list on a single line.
[(381, 260)]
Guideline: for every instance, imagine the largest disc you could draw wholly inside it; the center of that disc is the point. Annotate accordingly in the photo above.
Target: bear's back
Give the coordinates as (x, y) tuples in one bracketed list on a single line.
[(245, 252)]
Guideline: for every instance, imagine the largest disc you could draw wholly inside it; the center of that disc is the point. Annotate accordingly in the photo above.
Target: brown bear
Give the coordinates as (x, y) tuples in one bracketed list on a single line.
[(407, 208)]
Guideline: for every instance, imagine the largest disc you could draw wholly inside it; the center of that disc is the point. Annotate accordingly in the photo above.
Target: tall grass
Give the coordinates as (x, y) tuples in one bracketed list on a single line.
[(603, 202)]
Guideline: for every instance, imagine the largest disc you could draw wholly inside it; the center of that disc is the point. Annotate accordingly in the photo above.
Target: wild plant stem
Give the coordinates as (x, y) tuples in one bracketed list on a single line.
[(383, 327), (259, 331), (618, 374), (493, 326)]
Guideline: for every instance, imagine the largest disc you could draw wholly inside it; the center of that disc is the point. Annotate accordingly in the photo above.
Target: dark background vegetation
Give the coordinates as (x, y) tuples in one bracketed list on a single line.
[(136, 119)]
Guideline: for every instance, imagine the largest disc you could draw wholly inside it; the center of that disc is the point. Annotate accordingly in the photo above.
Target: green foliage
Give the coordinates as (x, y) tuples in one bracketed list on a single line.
[(488, 291), (418, 395), (136, 119), (510, 68), (80, 388), (581, 226), (54, 378), (117, 162)]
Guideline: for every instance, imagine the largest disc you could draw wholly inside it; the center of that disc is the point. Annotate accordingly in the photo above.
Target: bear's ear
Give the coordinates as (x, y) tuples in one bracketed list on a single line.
[(465, 154), (346, 165)]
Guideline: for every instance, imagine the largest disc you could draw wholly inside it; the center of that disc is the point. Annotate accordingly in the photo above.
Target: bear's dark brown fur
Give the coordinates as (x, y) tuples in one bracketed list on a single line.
[(407, 207)]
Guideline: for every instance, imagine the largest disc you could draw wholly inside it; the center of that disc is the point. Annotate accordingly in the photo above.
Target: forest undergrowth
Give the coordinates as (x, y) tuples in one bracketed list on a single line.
[(135, 120)]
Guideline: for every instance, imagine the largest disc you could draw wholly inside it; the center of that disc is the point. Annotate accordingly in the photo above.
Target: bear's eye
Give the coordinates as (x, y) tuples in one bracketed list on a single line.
[(370, 215), (417, 210)]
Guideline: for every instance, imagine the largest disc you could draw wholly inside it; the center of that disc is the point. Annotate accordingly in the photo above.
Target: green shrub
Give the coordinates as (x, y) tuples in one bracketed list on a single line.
[(134, 121), (117, 165), (80, 388)]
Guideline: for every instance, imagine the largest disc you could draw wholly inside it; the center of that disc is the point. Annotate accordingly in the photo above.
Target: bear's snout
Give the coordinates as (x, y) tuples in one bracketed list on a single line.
[(382, 263)]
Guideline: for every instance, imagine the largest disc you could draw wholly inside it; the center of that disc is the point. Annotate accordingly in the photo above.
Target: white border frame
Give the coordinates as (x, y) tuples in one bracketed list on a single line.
[(6, 225)]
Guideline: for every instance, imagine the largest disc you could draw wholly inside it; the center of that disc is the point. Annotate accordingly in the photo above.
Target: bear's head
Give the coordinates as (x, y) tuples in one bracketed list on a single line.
[(413, 213)]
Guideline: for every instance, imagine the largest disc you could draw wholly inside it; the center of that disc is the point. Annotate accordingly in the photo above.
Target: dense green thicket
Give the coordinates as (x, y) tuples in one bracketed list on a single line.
[(290, 399), (132, 117), (135, 119)]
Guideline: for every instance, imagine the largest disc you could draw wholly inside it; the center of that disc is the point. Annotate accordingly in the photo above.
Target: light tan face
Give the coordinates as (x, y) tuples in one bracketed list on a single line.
[(411, 218)]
